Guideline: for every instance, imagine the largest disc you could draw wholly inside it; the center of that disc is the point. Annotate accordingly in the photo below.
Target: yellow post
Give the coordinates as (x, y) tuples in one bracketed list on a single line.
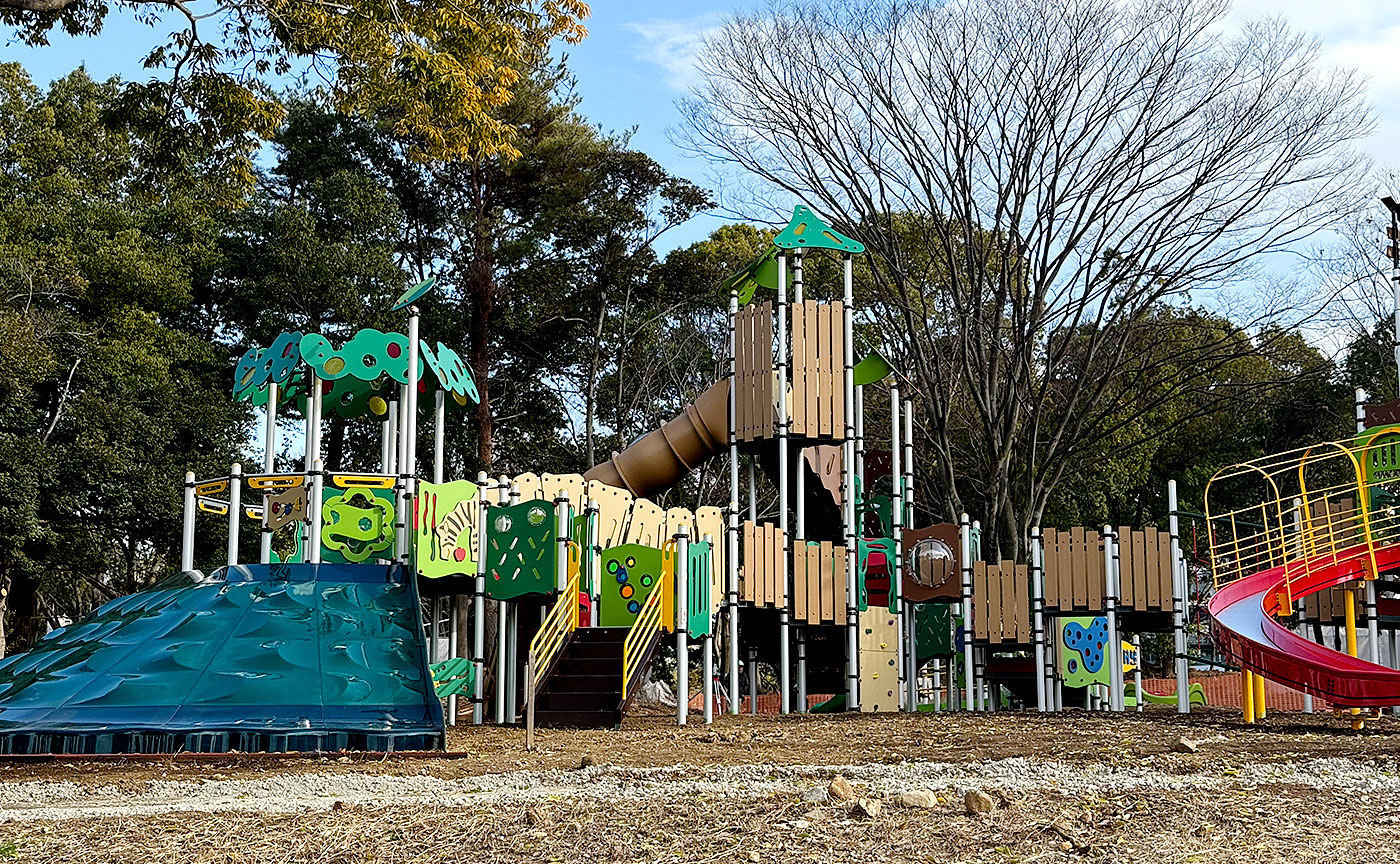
[(1247, 693), (1259, 709), (1356, 721)]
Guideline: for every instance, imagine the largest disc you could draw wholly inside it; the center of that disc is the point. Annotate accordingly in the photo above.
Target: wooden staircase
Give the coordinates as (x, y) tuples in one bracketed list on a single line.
[(584, 690)]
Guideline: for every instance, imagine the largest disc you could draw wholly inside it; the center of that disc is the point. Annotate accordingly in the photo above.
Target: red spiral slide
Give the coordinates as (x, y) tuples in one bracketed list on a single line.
[(1245, 628)]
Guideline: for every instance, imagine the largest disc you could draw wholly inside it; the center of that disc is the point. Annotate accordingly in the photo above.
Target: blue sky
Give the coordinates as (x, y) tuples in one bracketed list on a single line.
[(638, 58)]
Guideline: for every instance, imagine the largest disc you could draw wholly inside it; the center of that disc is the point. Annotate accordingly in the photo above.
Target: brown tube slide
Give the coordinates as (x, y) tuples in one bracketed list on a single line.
[(659, 459)]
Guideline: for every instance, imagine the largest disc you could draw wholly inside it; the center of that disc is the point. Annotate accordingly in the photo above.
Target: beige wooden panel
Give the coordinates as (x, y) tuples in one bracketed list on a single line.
[(1148, 591), (981, 607), (741, 375), (1159, 562), (823, 590), (766, 573), (614, 509), (710, 521), (647, 525), (769, 379), (802, 584), (746, 560), (572, 485), (1050, 578), (879, 672), (1022, 592), (675, 518), (529, 486), (1079, 564)]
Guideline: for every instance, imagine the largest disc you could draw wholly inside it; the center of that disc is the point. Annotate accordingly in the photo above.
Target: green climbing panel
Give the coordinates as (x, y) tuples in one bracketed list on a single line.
[(630, 573), (443, 514), (697, 592), (453, 677), (520, 549), (357, 525), (932, 630)]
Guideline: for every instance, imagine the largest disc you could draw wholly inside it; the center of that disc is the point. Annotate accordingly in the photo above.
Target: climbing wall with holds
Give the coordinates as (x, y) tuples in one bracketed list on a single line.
[(879, 666), (1083, 651), (630, 573), (520, 549)]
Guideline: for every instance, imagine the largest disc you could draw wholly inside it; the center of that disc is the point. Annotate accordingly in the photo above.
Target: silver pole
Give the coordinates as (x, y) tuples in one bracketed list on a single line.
[(187, 525), (235, 509), (593, 555), (682, 622), (785, 557), (800, 493), (731, 557), (968, 685), (910, 696), (439, 425), (454, 610), (435, 615), (269, 466), (1179, 601), (907, 482), (1359, 401), (389, 433), (1038, 607), (409, 468), (707, 657), (848, 492), (1137, 673), (561, 542), (802, 670), (479, 601), (313, 422), (313, 535), (1110, 600)]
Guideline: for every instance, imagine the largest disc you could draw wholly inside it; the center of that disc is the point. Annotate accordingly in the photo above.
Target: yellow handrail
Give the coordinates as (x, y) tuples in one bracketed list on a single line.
[(555, 629), (643, 630)]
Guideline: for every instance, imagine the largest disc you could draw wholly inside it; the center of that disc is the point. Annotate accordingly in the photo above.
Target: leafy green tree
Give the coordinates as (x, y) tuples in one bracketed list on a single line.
[(438, 73), (106, 396)]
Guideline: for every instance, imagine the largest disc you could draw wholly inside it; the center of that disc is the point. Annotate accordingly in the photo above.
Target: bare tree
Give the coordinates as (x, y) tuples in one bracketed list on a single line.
[(1035, 180)]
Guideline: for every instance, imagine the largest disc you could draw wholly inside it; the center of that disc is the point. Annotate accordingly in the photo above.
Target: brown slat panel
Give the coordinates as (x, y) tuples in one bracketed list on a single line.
[(980, 602), (747, 570), (742, 346), (1146, 559), (1022, 588), (767, 542), (838, 556), (1097, 573), (1079, 567), (797, 370), (1050, 579), (1126, 589), (826, 584), (768, 413), (1164, 568), (996, 625), (838, 369), (799, 581), (1066, 580), (824, 399)]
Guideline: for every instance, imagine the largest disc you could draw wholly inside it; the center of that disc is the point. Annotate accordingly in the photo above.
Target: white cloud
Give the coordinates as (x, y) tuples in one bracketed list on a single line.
[(672, 44)]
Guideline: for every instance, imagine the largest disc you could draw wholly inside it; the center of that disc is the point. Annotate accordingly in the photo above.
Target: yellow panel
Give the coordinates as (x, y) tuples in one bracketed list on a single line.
[(362, 481), (710, 520), (277, 481), (211, 487), (614, 507), (213, 505), (571, 484), (530, 487), (647, 525)]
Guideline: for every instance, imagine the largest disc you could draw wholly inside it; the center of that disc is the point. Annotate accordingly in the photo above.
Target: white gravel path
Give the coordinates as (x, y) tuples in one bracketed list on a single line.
[(320, 791)]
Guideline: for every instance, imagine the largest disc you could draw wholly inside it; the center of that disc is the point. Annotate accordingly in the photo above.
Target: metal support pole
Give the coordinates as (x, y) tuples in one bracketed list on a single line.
[(235, 509), (753, 682), (800, 498), (439, 424), (1137, 674), (909, 696), (802, 670), (1110, 601), (313, 507), (388, 435), (682, 622), (848, 493), (479, 601), (1179, 602), (911, 650), (785, 555), (1038, 611), (707, 659), (731, 557), (965, 534), (269, 467), (409, 468), (187, 525)]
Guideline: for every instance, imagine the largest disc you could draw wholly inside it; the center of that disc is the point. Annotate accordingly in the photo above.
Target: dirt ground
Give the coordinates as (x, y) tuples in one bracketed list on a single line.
[(1076, 787)]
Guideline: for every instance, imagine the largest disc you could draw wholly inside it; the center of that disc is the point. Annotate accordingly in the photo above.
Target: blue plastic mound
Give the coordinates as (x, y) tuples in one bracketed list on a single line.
[(282, 657)]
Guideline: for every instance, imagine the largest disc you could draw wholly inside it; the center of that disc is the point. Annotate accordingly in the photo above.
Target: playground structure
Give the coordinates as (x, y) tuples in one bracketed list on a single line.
[(1310, 536), (548, 596)]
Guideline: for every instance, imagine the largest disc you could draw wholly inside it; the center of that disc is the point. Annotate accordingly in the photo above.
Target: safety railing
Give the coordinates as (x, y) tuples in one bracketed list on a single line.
[(643, 631), (554, 632), (1328, 506)]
